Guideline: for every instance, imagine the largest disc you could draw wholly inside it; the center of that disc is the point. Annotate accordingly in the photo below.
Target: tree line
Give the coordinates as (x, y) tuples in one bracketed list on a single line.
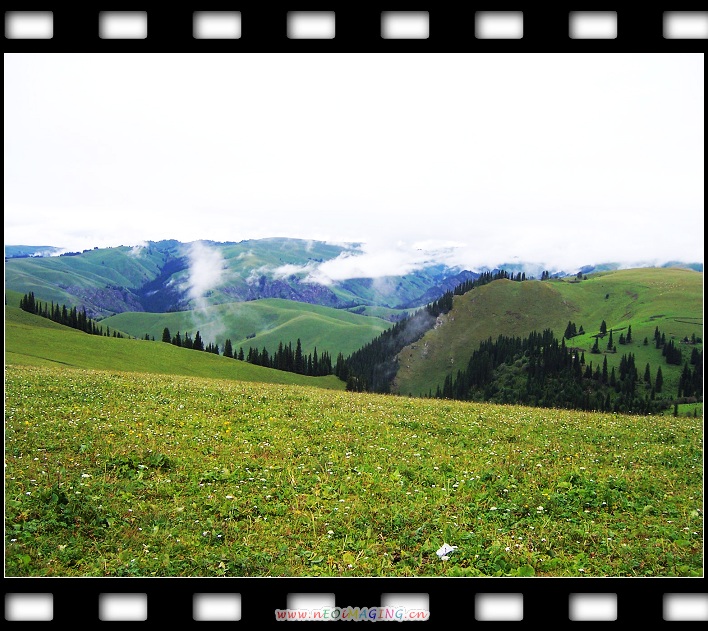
[(70, 317), (285, 358), (541, 371)]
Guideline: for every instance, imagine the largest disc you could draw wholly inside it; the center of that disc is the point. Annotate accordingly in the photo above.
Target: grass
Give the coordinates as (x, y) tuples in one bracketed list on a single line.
[(126, 474), (671, 299), (269, 321), (35, 341)]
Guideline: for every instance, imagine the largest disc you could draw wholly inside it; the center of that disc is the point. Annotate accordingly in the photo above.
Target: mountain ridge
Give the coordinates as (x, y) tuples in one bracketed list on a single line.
[(169, 275)]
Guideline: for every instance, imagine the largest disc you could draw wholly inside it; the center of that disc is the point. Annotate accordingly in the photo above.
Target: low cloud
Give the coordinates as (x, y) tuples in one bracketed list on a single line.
[(287, 270), (137, 249), (373, 262), (379, 261), (207, 270)]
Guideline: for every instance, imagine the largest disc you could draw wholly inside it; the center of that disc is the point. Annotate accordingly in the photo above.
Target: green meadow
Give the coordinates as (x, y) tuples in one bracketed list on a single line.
[(113, 473), (133, 458), (668, 298), (261, 324), (33, 340)]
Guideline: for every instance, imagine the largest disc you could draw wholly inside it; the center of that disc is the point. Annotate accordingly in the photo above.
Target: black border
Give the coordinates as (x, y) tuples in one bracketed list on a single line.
[(264, 29)]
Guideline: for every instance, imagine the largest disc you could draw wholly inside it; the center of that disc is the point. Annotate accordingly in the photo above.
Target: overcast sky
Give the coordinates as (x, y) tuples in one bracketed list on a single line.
[(483, 159)]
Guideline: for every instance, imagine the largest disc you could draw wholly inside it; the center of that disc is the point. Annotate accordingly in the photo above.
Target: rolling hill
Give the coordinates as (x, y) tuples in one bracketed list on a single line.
[(259, 324), (645, 298), (35, 341)]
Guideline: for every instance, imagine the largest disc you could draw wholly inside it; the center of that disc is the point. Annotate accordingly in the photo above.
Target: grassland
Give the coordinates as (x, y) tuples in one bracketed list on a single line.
[(127, 474), (671, 299), (32, 340), (259, 324)]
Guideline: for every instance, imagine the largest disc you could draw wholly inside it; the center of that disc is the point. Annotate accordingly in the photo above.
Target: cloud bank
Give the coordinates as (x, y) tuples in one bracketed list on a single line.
[(206, 271)]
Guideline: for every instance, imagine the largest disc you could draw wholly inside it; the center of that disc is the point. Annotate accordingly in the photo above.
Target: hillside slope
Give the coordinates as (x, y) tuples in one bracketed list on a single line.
[(35, 341), (259, 324), (170, 275), (646, 298)]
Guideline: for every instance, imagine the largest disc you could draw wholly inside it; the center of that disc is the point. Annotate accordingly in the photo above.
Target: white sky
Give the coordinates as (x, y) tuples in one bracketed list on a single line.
[(485, 159)]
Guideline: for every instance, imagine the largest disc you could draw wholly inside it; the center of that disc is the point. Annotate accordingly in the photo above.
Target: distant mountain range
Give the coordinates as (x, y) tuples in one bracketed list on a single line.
[(170, 275)]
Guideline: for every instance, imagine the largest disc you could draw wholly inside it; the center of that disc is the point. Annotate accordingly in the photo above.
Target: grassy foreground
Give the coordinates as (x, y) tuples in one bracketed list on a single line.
[(126, 474)]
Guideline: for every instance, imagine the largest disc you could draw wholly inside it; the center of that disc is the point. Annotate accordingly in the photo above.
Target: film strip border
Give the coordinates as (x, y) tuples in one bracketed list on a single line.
[(446, 602), (263, 29), (449, 603)]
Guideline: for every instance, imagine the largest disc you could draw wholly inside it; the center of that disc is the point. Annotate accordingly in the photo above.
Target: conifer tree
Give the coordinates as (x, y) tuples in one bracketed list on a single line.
[(166, 336), (299, 362), (595, 347)]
